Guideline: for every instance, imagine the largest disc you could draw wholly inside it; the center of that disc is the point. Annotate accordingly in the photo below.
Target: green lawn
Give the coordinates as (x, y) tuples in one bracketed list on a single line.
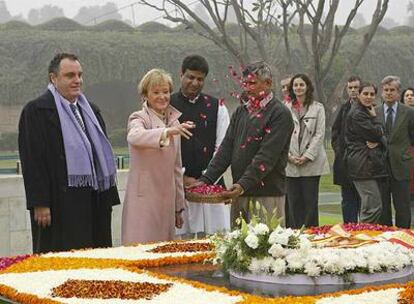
[(333, 208), (326, 183), (330, 214), (327, 219)]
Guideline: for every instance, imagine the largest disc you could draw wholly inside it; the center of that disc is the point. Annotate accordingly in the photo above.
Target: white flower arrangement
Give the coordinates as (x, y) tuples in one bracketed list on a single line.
[(261, 248), (252, 240), (260, 229)]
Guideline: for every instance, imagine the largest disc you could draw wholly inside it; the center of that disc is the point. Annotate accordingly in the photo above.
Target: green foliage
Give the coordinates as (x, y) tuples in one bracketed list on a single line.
[(259, 214), (112, 62), (61, 24), (113, 25), (153, 27), (117, 137), (14, 25), (380, 30)]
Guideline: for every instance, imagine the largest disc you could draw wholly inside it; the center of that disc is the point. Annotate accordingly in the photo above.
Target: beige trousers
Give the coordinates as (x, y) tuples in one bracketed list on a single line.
[(241, 205)]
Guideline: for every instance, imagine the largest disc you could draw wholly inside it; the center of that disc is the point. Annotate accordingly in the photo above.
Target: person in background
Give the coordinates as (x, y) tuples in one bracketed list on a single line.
[(350, 199), (398, 120), (307, 156), (211, 119), (255, 147), (154, 197), (365, 154), (284, 88), (67, 163), (407, 97)]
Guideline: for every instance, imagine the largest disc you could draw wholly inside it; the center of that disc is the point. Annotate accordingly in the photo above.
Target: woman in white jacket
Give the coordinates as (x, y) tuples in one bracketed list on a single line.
[(307, 156)]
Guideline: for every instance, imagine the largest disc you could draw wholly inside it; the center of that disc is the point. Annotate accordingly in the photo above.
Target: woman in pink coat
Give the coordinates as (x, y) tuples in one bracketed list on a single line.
[(154, 197)]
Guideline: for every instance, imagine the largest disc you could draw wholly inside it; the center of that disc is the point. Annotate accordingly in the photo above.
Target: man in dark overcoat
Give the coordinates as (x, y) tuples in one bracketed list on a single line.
[(67, 163), (398, 120), (350, 199)]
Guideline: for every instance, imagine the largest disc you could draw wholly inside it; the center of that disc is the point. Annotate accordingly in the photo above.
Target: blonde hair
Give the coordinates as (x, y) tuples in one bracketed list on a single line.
[(153, 78)]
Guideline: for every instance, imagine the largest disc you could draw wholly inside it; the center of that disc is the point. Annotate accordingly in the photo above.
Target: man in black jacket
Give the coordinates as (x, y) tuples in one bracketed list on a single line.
[(256, 146), (211, 119), (350, 198), (67, 163)]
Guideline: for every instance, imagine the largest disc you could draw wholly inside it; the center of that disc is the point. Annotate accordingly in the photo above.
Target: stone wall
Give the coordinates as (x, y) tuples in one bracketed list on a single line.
[(9, 117), (15, 235)]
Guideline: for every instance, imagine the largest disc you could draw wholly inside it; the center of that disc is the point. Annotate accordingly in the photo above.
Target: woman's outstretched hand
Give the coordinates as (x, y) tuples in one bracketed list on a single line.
[(181, 129)]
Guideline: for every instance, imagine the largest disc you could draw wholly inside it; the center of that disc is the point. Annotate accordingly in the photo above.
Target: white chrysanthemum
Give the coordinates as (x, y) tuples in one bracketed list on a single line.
[(255, 266), (281, 236), (294, 261), (305, 244), (267, 263), (358, 258), (312, 269), (278, 238), (252, 240), (278, 267), (331, 261), (290, 232), (261, 229), (277, 251)]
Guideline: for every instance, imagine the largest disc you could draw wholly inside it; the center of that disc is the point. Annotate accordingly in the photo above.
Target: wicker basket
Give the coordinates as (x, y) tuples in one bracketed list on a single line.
[(215, 198)]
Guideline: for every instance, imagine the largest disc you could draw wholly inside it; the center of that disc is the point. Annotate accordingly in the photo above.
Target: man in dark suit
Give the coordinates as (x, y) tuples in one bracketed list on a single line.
[(350, 198), (398, 120), (67, 163)]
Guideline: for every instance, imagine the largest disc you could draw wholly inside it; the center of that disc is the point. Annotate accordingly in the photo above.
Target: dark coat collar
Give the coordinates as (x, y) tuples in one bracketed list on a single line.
[(46, 101)]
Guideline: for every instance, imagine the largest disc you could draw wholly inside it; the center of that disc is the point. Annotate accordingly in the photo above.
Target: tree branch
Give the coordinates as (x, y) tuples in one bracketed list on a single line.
[(339, 35), (377, 17)]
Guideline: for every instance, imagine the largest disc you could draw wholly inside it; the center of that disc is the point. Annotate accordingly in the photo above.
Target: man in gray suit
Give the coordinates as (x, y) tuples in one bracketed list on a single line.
[(398, 120)]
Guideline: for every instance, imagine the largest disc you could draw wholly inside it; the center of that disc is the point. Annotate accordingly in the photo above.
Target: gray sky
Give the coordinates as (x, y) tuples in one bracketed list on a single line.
[(397, 8)]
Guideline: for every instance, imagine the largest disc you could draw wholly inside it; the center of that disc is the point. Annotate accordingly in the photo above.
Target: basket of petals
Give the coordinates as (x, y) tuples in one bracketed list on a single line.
[(211, 194)]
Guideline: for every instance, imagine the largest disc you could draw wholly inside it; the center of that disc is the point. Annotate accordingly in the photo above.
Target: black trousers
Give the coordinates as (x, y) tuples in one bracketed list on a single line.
[(79, 221), (351, 203), (303, 193), (400, 192)]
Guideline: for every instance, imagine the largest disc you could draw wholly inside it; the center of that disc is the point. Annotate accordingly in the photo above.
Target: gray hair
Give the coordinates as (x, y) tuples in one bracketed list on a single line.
[(259, 68), (390, 78)]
